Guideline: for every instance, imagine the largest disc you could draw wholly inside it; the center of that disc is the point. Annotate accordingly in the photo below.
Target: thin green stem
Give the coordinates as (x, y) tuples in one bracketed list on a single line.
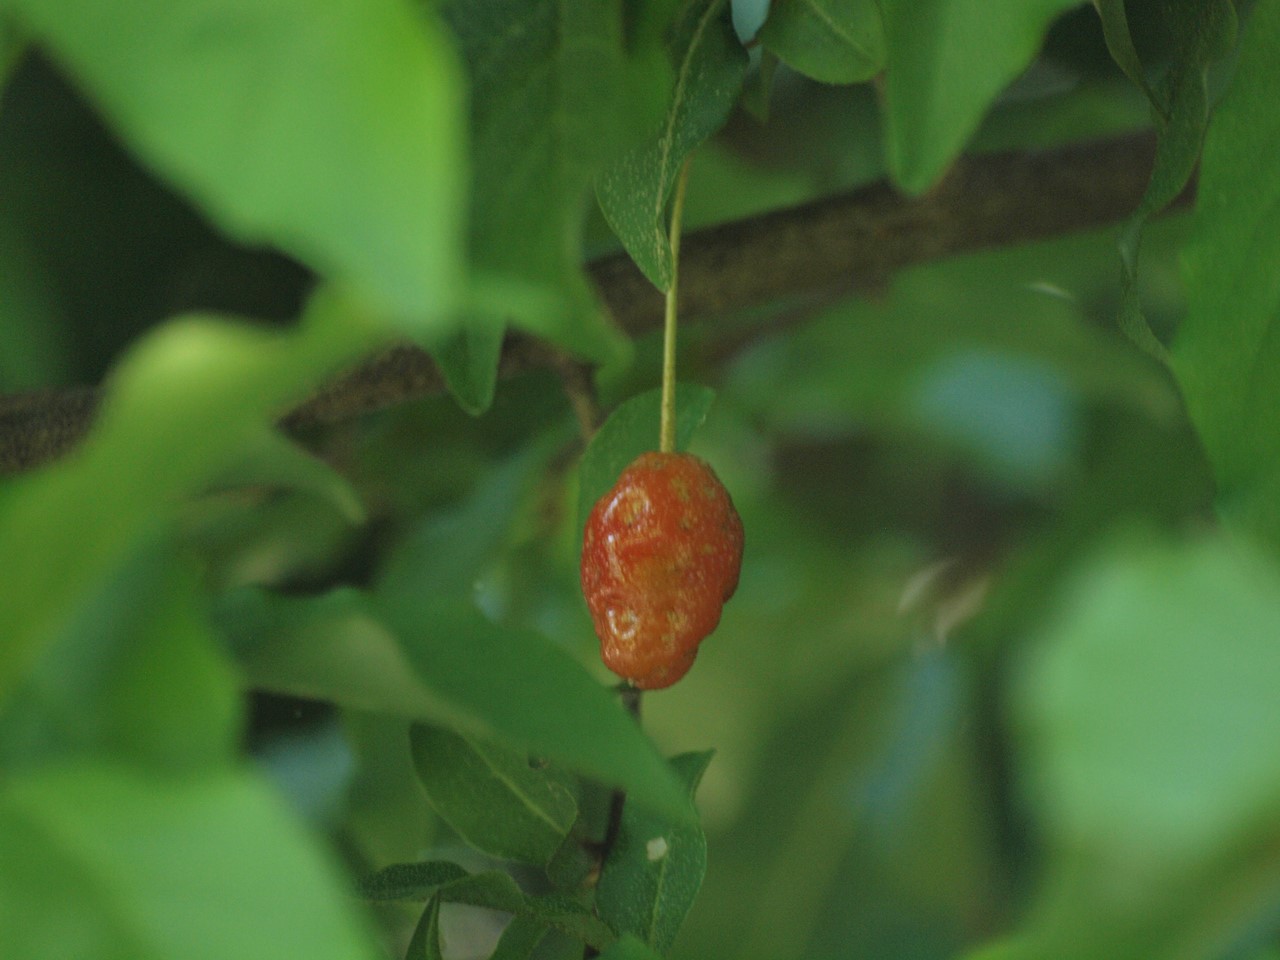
[(667, 428)]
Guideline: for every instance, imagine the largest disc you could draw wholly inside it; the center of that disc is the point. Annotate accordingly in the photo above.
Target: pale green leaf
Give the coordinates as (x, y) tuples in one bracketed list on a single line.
[(947, 61), (331, 129), (101, 862), (834, 41), (634, 190)]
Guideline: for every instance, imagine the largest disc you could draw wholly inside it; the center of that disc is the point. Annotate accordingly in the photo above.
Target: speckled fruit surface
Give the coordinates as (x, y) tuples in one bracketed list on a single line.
[(660, 556)]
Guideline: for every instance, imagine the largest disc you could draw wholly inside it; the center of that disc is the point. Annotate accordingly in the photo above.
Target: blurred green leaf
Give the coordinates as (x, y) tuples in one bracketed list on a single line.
[(409, 881), (520, 938), (31, 339), (425, 942), (469, 362), (546, 110), (947, 62), (97, 862), (445, 663), (135, 676), (1226, 355), (178, 410), (652, 874), (1146, 708), (630, 948), (1180, 107), (330, 129), (1115, 30), (633, 191), (273, 460), (494, 798), (833, 41), (632, 429)]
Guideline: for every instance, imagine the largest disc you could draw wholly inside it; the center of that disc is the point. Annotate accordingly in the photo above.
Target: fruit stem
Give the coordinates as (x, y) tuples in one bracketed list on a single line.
[(667, 428)]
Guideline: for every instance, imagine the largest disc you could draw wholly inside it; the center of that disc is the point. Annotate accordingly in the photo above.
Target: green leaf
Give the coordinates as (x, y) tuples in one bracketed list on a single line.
[(1226, 355), (497, 891), (519, 939), (633, 191), (655, 868), (493, 797), (1119, 40), (135, 675), (330, 129), (100, 862), (546, 110), (833, 41), (445, 663), (469, 362), (273, 460), (632, 429), (630, 948), (1180, 107), (947, 62), (179, 409), (1147, 708), (425, 942), (409, 881)]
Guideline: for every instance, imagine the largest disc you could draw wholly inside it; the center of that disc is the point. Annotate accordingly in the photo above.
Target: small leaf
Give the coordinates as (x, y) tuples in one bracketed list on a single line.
[(330, 129), (425, 942), (1226, 355), (102, 861), (630, 948), (520, 938), (947, 62), (409, 881), (832, 41), (633, 191), (492, 797), (655, 868), (632, 429), (1115, 31), (469, 362), (492, 889)]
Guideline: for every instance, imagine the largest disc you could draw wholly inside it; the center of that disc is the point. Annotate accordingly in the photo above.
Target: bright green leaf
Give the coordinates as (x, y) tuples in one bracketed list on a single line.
[(409, 881), (834, 41), (634, 190), (494, 798), (655, 868), (98, 862), (547, 107), (135, 675), (331, 129), (179, 409), (445, 663), (632, 429), (1226, 355), (1147, 706), (947, 62)]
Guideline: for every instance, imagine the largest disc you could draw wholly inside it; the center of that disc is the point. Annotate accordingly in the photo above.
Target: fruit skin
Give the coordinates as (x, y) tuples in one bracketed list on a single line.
[(661, 554)]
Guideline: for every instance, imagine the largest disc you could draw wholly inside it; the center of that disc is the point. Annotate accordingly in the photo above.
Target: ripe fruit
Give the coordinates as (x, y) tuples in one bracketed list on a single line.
[(660, 556)]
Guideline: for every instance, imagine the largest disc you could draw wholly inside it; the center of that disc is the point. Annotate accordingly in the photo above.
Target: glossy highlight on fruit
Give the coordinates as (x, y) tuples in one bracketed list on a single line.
[(660, 556)]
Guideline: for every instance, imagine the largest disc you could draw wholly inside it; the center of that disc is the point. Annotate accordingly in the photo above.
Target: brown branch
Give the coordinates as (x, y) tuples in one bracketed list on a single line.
[(838, 245)]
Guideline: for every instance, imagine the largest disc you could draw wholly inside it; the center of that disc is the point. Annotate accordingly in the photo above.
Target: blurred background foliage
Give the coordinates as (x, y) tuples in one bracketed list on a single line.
[(993, 675)]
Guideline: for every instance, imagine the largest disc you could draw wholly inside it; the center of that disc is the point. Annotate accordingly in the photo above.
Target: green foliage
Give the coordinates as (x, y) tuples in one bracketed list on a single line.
[(634, 190), (834, 41), (999, 677)]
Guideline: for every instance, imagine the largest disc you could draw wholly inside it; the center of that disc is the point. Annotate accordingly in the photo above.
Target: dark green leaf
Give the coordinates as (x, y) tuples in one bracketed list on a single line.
[(655, 868), (631, 430), (547, 107), (1115, 30), (469, 362), (497, 891), (947, 62), (273, 460), (409, 881), (445, 663), (425, 942), (330, 129), (519, 939), (1180, 107), (179, 409), (629, 948), (99, 861), (492, 797), (834, 41), (492, 889), (1226, 355), (135, 675), (573, 918), (634, 190), (1147, 711)]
